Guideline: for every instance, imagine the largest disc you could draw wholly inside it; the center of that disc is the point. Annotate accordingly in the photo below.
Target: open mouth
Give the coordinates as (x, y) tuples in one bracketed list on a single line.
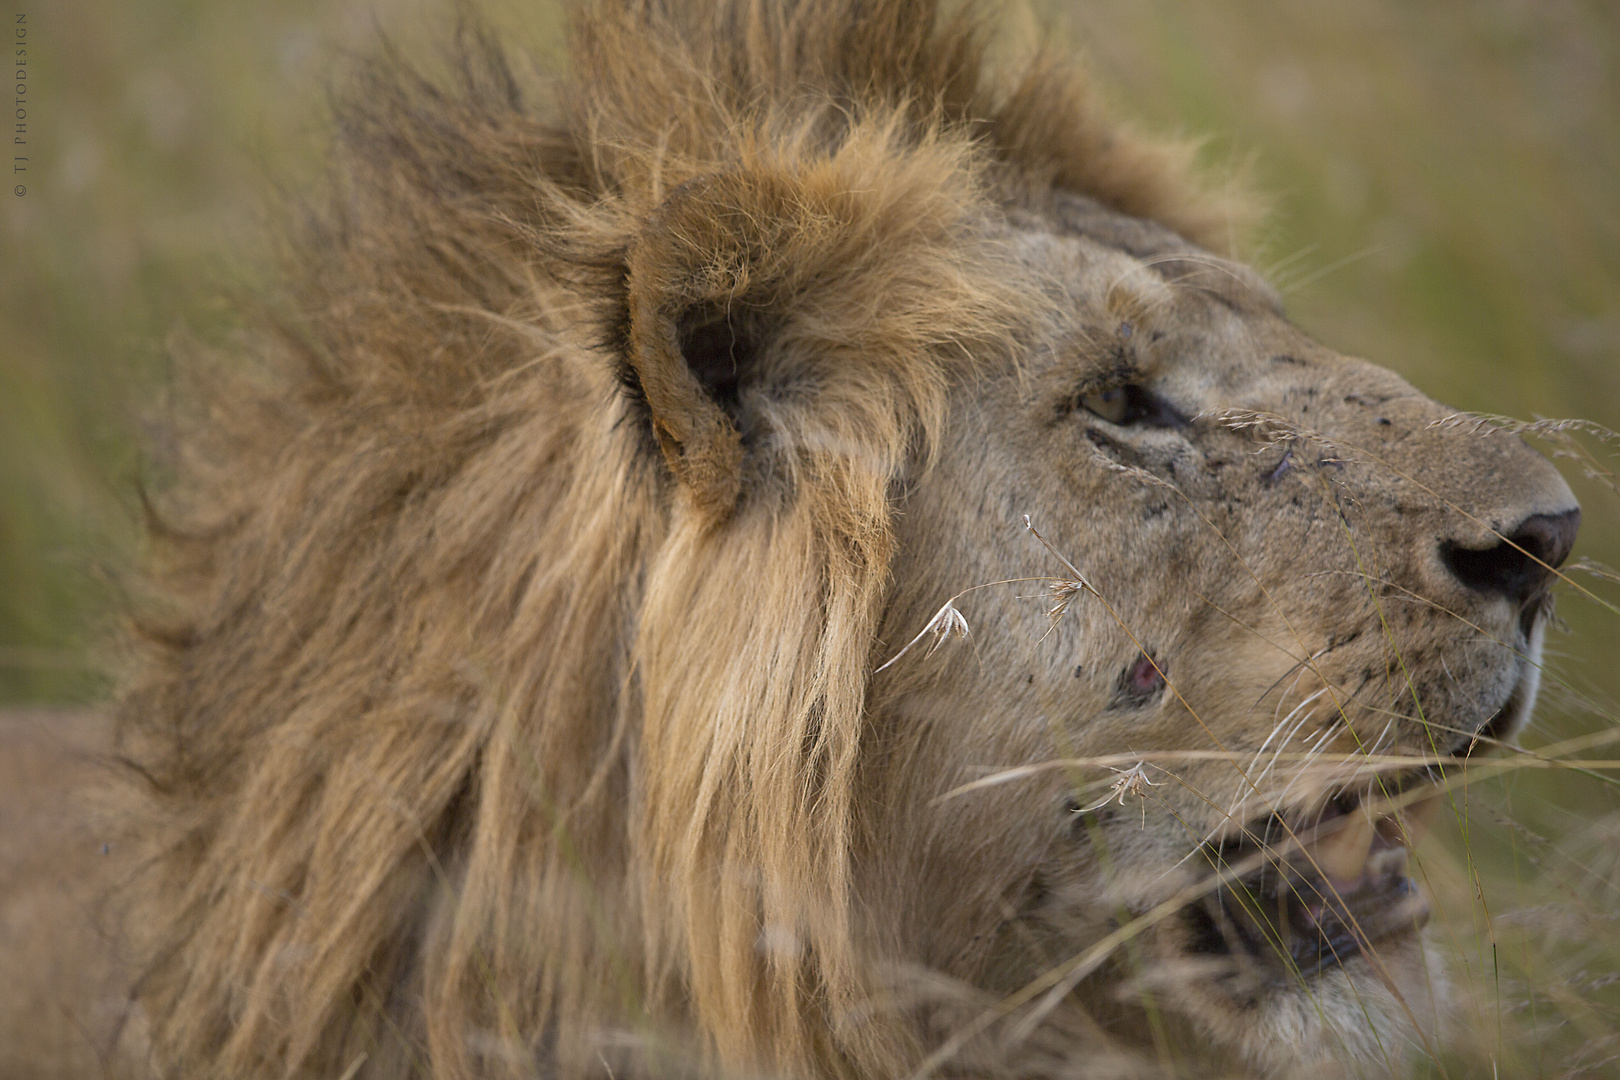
[(1306, 892)]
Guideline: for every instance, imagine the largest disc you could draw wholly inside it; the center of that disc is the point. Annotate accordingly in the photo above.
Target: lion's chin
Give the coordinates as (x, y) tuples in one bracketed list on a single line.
[(1254, 1018), (1375, 1011)]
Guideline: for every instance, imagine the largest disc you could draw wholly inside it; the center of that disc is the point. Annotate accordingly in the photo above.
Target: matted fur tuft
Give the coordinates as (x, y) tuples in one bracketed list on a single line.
[(469, 734)]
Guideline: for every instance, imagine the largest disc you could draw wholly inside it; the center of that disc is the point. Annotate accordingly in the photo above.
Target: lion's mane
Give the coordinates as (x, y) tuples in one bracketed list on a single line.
[(475, 712)]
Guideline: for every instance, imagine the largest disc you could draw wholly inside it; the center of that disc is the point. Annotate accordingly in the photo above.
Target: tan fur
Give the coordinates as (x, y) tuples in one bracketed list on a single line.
[(508, 708)]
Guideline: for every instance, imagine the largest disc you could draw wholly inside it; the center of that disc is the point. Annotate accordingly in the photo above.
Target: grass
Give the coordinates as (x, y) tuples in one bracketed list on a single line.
[(1447, 202)]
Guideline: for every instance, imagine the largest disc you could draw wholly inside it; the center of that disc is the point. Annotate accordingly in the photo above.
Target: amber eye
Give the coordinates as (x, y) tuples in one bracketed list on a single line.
[(1131, 405), (1113, 405)]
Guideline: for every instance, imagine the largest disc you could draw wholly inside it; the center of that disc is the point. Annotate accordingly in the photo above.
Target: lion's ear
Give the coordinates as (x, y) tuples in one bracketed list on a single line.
[(695, 329), (854, 276)]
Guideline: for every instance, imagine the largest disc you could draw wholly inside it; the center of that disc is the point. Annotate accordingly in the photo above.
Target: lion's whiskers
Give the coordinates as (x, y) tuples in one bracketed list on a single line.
[(1249, 784)]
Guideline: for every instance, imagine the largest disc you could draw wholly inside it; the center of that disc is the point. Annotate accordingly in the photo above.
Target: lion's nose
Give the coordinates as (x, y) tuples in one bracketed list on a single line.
[(1521, 565)]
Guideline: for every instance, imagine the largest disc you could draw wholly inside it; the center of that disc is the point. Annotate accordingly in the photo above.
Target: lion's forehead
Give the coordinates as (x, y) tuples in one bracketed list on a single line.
[(1113, 257)]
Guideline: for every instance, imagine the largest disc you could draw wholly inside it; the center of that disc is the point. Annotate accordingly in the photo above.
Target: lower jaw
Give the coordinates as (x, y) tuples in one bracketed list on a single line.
[(1301, 933), (1308, 896)]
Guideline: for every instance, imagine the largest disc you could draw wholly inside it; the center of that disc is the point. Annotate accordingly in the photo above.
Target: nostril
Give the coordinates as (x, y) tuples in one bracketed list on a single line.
[(1521, 565), (1549, 537)]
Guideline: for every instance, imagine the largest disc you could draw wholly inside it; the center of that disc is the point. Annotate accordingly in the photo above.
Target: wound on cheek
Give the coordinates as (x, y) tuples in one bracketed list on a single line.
[(1140, 683)]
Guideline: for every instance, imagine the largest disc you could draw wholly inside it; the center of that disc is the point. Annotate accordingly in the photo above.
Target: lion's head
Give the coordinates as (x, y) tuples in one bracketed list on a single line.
[(567, 672), (1289, 591)]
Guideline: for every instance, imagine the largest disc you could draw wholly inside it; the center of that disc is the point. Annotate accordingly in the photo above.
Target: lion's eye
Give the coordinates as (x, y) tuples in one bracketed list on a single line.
[(1131, 404), (1113, 404)]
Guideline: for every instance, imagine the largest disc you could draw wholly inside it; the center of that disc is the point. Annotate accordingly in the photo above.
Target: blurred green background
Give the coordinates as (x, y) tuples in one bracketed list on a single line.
[(1444, 184)]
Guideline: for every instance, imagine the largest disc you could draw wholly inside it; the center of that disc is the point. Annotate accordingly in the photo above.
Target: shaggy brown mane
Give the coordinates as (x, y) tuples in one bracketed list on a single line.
[(490, 713)]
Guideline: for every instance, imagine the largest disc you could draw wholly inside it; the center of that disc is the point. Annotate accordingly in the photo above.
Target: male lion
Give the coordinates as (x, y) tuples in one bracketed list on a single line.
[(533, 694)]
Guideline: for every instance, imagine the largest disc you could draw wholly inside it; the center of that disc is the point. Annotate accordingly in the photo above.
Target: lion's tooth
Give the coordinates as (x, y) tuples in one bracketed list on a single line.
[(1341, 855)]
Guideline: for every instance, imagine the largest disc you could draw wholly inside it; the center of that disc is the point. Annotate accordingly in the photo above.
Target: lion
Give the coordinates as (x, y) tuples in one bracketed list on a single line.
[(794, 549)]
